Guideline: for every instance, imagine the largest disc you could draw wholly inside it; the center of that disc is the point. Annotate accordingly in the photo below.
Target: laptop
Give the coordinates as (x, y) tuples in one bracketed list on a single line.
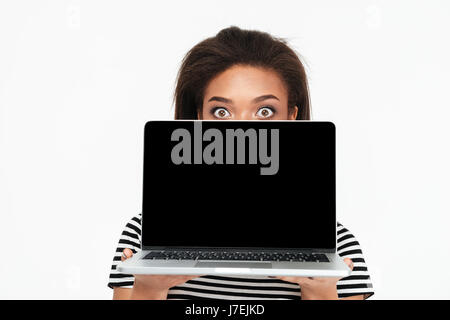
[(238, 198)]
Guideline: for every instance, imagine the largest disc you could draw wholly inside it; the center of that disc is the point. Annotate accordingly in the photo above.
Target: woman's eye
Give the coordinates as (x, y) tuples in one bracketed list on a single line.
[(265, 112), (221, 113)]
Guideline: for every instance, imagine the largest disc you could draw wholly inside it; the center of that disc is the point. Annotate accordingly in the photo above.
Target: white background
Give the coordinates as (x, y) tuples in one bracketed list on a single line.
[(78, 80)]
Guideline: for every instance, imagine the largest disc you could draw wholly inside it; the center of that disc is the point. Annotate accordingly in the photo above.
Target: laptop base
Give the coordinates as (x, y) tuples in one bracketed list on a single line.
[(336, 267)]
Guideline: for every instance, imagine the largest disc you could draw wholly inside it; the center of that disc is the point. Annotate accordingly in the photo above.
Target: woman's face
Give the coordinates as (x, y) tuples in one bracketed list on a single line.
[(246, 93)]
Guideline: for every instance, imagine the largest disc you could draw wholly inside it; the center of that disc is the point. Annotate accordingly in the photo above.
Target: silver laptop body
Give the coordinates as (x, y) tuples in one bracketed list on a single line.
[(200, 216)]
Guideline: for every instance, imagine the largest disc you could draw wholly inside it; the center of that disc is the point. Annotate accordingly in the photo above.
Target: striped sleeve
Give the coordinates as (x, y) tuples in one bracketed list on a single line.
[(131, 239), (359, 282)]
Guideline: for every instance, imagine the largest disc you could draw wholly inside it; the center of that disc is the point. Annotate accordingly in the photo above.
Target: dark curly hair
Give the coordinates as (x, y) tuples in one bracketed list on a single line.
[(234, 46)]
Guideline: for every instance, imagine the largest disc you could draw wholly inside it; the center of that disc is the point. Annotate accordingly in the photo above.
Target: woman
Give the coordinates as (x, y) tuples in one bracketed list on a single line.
[(241, 75)]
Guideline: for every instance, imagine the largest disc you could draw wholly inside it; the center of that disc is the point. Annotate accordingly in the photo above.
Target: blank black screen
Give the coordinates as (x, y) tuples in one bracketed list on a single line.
[(233, 205)]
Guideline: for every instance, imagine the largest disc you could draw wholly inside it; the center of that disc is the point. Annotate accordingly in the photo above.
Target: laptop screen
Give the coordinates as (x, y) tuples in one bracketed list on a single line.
[(239, 184)]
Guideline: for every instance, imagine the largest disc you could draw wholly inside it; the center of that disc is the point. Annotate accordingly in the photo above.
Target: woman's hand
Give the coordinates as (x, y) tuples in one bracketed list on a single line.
[(154, 287), (318, 288)]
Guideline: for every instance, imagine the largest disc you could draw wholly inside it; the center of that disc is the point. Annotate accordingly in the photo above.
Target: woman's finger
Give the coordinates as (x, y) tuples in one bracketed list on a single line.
[(297, 280), (126, 254), (187, 278), (349, 263)]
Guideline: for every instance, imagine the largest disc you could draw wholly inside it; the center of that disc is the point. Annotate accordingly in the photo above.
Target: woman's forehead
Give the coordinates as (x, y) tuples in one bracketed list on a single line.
[(246, 82)]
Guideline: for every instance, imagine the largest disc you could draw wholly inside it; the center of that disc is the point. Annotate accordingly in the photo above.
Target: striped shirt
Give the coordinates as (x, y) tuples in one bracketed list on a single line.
[(246, 287)]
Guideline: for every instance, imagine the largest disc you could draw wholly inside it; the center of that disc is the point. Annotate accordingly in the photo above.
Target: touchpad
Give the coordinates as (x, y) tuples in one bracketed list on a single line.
[(246, 265)]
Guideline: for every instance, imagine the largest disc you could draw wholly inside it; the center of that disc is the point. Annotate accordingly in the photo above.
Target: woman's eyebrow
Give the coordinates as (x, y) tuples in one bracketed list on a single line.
[(256, 100), (220, 99), (265, 97)]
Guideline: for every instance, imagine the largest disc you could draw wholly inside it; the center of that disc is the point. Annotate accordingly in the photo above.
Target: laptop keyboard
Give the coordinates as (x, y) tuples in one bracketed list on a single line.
[(238, 256)]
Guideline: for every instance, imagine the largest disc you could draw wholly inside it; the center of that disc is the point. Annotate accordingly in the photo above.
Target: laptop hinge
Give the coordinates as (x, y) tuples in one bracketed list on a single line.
[(306, 250)]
